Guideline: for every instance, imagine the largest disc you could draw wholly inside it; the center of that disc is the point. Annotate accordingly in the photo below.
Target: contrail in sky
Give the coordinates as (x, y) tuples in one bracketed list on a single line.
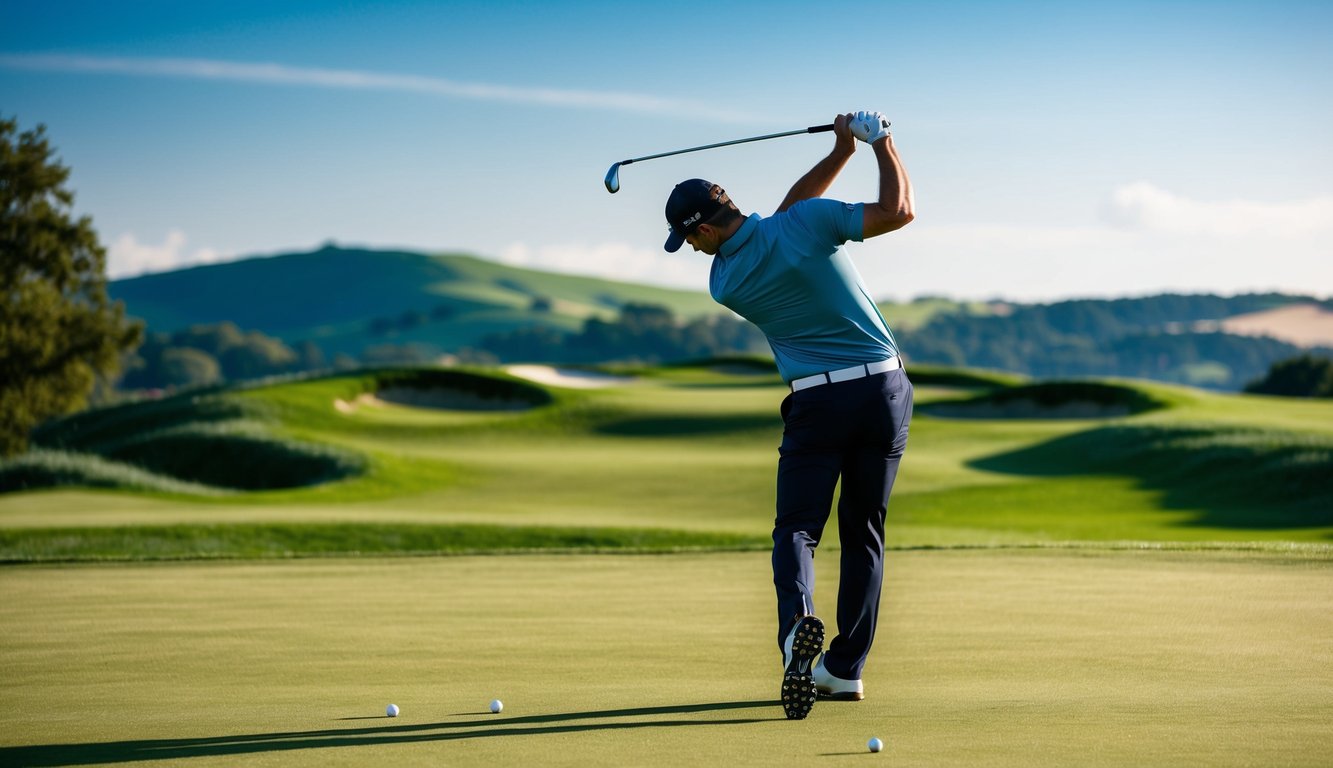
[(281, 74)]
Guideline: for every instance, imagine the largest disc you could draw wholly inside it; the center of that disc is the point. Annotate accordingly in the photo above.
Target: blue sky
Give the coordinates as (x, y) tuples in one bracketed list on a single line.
[(1057, 149)]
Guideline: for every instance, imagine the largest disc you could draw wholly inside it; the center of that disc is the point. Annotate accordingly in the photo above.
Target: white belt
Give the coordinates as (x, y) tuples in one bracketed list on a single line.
[(847, 374)]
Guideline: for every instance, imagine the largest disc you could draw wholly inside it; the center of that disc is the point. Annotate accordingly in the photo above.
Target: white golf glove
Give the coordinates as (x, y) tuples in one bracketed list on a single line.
[(869, 127)]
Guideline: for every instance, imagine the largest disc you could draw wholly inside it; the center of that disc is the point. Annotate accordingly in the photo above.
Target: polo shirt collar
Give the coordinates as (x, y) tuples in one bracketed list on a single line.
[(737, 241)]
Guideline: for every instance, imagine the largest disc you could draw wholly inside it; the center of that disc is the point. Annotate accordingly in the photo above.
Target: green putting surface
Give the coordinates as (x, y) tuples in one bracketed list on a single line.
[(985, 657)]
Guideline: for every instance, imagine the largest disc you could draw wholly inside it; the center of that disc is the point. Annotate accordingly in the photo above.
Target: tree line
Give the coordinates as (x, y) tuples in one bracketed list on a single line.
[(1165, 338), (211, 354), (640, 333)]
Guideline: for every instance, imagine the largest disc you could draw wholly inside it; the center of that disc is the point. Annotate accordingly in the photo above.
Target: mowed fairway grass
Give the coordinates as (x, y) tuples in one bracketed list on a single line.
[(1143, 589), (987, 658)]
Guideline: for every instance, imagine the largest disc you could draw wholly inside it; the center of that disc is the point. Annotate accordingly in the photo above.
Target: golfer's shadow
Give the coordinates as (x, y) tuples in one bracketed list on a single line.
[(487, 726)]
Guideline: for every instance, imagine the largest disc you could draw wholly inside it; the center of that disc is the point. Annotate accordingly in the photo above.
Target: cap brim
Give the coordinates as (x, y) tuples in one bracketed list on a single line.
[(674, 241)]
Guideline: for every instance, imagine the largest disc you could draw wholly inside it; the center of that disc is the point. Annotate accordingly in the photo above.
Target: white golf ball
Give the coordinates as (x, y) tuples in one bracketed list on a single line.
[(875, 745), (391, 710), (496, 706)]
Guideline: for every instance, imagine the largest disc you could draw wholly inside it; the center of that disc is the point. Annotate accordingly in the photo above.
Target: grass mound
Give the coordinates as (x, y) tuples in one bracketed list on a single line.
[(42, 468), (237, 455), (213, 441), (197, 443), (91, 430), (1051, 400), (277, 540), (1237, 477)]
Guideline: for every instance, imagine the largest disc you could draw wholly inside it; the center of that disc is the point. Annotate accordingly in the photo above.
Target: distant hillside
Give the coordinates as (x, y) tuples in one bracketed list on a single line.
[(1185, 339), (346, 300), (368, 306)]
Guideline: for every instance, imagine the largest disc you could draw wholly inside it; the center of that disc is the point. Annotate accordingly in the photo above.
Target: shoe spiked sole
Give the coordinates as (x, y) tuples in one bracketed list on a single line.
[(798, 685)]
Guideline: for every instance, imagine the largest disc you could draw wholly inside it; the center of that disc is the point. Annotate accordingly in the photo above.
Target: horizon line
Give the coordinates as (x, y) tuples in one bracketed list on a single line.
[(330, 244)]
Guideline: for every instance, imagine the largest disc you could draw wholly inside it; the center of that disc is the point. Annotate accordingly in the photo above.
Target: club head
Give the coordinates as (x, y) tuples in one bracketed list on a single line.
[(613, 179)]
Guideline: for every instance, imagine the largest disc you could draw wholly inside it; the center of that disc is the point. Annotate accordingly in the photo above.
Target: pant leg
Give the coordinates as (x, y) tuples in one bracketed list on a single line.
[(869, 470), (807, 475)]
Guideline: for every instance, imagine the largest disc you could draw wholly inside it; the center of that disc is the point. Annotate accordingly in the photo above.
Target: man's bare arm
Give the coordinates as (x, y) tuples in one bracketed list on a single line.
[(816, 181), (895, 208)]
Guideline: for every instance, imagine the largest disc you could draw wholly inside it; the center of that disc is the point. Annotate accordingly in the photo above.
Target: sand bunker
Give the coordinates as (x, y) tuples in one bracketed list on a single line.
[(350, 406), (566, 377)]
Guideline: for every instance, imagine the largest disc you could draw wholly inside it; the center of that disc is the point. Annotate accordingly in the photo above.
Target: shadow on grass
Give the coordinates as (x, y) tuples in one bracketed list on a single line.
[(692, 426), (489, 726), (1049, 400), (1245, 479)]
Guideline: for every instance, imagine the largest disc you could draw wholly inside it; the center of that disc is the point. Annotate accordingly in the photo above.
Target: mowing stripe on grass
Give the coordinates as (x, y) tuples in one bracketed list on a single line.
[(262, 541), (244, 541)]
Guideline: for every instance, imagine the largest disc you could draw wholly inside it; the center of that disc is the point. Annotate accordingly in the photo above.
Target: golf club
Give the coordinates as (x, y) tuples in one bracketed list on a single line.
[(613, 175)]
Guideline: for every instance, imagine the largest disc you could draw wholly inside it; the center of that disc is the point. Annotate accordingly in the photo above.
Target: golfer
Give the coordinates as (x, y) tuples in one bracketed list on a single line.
[(850, 404)]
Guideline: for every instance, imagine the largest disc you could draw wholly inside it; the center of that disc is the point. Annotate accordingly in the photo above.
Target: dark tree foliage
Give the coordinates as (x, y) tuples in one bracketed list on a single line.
[(641, 333), (59, 332), (207, 354), (1303, 376)]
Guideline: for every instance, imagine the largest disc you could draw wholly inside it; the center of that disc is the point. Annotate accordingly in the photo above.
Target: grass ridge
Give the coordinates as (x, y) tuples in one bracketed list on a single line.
[(221, 541), (1283, 547), (291, 541)]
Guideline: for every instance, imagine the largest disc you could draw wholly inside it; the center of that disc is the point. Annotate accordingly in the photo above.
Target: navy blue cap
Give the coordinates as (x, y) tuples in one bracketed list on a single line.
[(692, 203)]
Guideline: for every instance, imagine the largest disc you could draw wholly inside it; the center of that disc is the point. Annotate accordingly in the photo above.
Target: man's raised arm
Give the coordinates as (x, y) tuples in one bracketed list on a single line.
[(817, 180), (895, 208)]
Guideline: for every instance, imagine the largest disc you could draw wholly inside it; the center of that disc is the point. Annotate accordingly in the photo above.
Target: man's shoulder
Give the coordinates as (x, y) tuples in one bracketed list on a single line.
[(817, 205), (812, 215)]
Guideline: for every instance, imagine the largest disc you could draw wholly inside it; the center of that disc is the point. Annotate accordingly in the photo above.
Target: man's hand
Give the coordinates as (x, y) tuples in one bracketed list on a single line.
[(846, 141), (869, 127)]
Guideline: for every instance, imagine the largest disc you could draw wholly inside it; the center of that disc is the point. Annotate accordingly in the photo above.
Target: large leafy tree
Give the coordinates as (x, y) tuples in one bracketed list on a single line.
[(58, 330)]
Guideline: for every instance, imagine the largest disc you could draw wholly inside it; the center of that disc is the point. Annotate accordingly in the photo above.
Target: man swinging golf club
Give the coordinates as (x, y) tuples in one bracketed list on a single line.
[(850, 404)]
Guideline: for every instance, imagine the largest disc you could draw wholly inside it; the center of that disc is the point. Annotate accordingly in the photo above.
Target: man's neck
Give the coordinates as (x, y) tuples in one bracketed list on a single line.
[(732, 229)]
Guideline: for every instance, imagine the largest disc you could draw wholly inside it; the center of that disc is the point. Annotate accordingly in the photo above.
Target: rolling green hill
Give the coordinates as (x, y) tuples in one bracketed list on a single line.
[(334, 296), (439, 460)]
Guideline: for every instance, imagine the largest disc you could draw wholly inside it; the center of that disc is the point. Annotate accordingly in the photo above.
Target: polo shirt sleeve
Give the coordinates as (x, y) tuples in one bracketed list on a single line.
[(832, 221)]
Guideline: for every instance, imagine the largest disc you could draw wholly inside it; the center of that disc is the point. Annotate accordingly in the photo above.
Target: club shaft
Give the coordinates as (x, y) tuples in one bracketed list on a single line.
[(811, 129)]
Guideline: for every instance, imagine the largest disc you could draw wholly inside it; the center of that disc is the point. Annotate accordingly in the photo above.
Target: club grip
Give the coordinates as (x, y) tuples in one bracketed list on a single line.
[(819, 128)]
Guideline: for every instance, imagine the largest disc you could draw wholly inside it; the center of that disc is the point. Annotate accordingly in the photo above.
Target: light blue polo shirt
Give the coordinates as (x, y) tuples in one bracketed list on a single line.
[(790, 276)]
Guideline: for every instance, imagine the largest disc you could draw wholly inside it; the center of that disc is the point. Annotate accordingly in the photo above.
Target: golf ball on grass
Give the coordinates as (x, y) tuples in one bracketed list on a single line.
[(496, 706), (391, 710), (875, 745)]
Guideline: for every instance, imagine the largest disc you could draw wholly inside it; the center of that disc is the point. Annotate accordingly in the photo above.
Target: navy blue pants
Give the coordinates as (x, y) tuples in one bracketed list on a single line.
[(855, 430)]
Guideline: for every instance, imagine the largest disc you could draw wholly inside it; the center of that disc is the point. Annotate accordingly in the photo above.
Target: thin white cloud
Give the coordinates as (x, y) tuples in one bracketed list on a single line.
[(281, 74), (127, 257), (1143, 206)]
